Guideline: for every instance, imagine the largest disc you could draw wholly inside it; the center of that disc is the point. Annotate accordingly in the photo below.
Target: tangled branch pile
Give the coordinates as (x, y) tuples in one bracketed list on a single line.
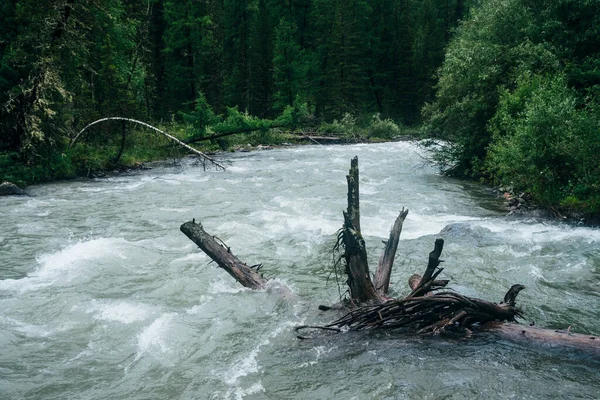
[(423, 310), (428, 314), (436, 313)]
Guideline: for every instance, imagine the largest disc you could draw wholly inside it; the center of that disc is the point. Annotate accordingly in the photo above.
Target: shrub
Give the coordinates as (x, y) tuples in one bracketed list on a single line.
[(201, 118), (383, 128), (547, 142), (489, 50), (347, 126)]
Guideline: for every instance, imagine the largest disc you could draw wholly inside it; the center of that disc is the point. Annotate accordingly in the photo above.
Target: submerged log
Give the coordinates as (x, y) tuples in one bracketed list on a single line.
[(222, 255), (588, 344)]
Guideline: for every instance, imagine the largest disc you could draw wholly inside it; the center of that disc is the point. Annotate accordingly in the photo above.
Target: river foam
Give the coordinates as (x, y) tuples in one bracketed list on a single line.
[(62, 266), (535, 231), (153, 341), (125, 312)]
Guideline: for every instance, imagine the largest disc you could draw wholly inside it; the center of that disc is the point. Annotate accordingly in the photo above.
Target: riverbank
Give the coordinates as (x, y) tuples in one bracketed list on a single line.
[(522, 205), (93, 160)]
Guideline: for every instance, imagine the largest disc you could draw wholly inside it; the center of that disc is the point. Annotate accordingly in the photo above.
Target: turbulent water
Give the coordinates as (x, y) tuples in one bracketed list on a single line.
[(102, 297)]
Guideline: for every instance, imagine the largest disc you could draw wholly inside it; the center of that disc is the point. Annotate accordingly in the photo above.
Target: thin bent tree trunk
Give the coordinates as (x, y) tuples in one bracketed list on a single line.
[(200, 154)]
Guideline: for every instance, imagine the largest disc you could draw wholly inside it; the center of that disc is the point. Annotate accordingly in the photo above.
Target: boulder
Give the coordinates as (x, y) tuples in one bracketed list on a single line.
[(8, 189)]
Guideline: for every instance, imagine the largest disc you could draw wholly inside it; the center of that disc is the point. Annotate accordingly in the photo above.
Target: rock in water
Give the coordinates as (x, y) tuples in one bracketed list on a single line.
[(8, 189)]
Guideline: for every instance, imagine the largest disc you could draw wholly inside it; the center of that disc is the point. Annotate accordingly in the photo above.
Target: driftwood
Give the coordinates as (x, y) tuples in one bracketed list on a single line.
[(427, 309), (221, 254), (203, 157), (425, 312), (588, 344), (386, 261)]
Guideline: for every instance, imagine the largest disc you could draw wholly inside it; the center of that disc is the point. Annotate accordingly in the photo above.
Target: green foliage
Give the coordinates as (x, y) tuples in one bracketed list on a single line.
[(240, 121), (263, 137), (347, 126), (55, 165), (236, 121), (516, 100), (287, 67), (547, 143), (383, 128), (371, 127), (13, 169), (293, 115), (201, 118), (490, 50), (68, 63)]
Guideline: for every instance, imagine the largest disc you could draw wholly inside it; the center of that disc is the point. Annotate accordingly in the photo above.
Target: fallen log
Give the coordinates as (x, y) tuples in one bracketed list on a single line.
[(589, 344), (233, 132), (220, 253), (425, 310), (323, 139)]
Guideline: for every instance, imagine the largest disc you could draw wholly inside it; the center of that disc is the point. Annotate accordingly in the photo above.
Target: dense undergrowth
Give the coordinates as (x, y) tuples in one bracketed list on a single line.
[(518, 101)]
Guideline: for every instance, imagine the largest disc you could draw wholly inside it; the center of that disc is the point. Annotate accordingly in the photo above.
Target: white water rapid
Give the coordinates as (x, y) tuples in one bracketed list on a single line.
[(102, 297)]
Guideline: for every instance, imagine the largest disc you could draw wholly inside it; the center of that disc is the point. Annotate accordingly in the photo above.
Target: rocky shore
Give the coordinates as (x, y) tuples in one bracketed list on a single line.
[(522, 205)]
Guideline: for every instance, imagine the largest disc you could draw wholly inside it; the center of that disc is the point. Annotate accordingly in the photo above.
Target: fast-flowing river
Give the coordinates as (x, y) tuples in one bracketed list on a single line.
[(102, 297)]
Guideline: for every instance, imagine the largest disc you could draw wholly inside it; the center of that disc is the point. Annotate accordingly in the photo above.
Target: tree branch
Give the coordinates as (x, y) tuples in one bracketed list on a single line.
[(386, 261)]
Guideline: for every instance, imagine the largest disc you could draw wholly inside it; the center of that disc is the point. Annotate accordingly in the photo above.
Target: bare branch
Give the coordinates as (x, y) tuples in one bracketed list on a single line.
[(386, 261)]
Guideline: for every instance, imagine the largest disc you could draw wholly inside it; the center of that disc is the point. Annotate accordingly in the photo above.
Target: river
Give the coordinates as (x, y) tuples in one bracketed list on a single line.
[(102, 297)]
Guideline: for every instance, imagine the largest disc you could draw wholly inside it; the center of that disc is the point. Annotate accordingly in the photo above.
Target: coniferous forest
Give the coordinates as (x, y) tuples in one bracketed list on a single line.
[(506, 90)]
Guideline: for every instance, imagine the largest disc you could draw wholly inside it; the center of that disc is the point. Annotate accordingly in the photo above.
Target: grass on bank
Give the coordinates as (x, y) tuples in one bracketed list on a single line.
[(96, 151)]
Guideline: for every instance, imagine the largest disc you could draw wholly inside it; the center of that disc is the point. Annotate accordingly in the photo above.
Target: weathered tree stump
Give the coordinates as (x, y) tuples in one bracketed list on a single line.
[(359, 282)]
